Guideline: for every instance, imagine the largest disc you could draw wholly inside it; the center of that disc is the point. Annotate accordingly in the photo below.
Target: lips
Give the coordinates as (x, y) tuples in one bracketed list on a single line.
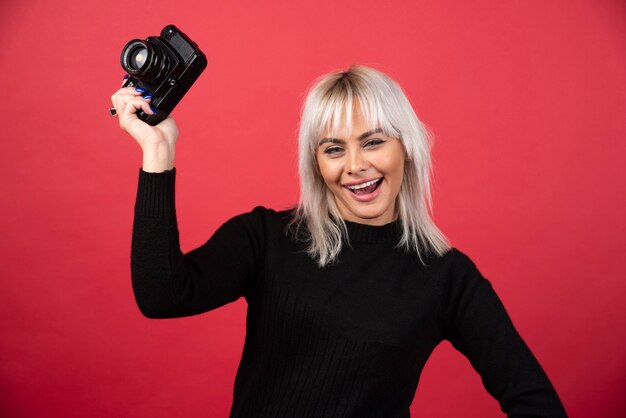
[(364, 187), (365, 191)]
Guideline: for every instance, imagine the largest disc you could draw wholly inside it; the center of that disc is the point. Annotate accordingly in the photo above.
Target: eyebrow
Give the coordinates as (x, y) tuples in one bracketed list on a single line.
[(341, 141)]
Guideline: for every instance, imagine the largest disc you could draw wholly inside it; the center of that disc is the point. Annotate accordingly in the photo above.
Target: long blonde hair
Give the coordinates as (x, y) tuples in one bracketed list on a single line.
[(384, 105)]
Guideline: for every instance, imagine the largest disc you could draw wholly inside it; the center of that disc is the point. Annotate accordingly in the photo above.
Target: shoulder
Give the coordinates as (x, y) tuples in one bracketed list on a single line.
[(256, 229), (460, 260), (266, 215), (450, 260), (455, 269), (263, 220)]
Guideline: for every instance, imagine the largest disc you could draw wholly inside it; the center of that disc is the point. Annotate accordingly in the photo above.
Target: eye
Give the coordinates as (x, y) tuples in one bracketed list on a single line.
[(373, 142), (333, 150)]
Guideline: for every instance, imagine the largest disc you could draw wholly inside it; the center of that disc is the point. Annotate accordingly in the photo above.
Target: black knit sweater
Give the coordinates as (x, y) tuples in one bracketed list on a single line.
[(347, 340)]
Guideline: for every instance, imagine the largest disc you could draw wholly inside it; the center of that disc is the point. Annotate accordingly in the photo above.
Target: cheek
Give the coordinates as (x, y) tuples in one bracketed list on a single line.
[(393, 169), (390, 165), (394, 163), (399, 172), (329, 172)]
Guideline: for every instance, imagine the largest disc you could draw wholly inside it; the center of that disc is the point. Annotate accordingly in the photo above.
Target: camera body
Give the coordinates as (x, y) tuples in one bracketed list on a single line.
[(166, 66)]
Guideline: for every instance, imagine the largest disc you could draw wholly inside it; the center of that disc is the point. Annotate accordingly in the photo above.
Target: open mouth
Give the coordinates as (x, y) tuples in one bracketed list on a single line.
[(365, 188)]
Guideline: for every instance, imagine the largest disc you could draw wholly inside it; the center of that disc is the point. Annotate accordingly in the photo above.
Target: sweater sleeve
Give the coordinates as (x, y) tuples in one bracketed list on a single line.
[(477, 325), (168, 283)]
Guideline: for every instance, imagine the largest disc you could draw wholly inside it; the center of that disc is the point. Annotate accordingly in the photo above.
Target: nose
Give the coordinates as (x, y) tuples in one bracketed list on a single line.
[(356, 162)]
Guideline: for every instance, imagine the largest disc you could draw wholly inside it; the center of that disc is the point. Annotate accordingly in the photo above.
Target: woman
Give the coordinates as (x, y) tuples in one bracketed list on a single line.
[(349, 293)]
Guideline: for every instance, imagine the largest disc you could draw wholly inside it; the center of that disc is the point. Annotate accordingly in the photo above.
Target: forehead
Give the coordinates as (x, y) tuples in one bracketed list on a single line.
[(345, 122)]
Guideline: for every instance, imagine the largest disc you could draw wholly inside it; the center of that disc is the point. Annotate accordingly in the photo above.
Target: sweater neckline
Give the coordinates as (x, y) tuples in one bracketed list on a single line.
[(389, 233)]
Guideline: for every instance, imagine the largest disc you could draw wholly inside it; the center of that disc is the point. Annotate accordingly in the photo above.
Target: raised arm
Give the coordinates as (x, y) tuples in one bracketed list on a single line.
[(166, 282), (477, 325)]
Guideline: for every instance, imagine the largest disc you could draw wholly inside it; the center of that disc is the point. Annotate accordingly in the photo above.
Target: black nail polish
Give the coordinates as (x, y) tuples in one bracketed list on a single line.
[(140, 90)]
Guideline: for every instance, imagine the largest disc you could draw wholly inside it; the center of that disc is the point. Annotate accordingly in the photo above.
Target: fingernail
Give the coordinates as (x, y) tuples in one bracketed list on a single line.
[(153, 109), (147, 96), (126, 76), (140, 90)]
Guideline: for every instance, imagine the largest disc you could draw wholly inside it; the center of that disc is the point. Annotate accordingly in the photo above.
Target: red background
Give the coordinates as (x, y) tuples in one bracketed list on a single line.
[(527, 104)]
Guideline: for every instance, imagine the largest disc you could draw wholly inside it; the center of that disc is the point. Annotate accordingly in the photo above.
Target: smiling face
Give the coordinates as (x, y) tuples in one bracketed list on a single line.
[(363, 169)]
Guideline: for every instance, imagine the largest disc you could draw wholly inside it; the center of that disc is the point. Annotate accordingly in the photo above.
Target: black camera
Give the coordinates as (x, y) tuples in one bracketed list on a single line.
[(165, 66)]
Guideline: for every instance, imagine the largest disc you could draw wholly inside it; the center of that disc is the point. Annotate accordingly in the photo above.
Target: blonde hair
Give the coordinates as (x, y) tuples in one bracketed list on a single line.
[(383, 104)]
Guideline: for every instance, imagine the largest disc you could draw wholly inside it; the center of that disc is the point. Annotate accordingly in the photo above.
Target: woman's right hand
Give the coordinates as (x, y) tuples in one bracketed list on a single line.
[(158, 143)]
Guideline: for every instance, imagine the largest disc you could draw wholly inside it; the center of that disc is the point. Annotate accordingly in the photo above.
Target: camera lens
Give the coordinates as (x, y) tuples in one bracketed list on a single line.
[(138, 57), (145, 60)]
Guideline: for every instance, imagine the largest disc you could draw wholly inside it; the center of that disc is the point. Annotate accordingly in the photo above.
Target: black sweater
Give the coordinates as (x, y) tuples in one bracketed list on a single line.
[(347, 340)]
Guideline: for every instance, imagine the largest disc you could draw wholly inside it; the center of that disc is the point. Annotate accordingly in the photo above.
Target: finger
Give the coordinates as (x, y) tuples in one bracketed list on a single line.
[(120, 100), (124, 81), (135, 91), (130, 109), (123, 95)]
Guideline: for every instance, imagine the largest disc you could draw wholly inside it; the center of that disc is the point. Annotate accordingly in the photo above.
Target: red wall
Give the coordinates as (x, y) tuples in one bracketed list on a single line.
[(527, 104)]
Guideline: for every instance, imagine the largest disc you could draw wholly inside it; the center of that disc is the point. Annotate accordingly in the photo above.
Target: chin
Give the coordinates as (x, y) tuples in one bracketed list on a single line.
[(374, 216)]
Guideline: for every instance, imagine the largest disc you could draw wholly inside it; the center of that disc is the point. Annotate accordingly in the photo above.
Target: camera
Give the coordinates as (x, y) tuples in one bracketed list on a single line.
[(166, 66)]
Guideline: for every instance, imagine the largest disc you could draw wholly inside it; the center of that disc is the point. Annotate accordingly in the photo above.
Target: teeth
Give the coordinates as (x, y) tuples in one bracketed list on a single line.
[(362, 185)]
